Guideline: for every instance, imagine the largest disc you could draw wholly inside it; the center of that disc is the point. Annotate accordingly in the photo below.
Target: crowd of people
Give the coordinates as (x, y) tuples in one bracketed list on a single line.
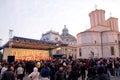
[(62, 69)]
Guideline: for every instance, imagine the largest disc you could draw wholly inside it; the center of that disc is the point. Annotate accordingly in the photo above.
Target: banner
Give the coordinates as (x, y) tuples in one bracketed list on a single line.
[(27, 54)]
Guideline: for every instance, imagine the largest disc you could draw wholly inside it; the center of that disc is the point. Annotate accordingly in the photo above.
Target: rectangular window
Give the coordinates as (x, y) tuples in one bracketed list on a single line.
[(65, 49), (112, 51), (80, 53), (95, 41), (75, 50), (57, 51)]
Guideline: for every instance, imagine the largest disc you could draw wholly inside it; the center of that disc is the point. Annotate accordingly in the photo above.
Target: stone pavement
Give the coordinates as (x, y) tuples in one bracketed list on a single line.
[(115, 78), (112, 78)]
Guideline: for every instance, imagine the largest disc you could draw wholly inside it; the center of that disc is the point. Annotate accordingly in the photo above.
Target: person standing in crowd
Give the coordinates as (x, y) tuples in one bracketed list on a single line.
[(4, 68), (0, 67), (29, 66), (20, 72), (83, 71), (38, 65), (100, 74), (117, 67), (35, 74), (91, 73), (74, 74), (9, 74), (109, 68), (68, 70), (60, 74), (53, 70), (45, 72)]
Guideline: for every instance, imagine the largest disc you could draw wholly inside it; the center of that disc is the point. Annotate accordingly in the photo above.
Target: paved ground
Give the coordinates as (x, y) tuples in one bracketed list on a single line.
[(112, 78), (115, 78)]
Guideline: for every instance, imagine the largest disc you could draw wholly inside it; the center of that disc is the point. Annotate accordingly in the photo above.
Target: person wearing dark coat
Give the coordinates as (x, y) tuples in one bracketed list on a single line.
[(91, 73), (83, 71), (100, 74), (60, 74), (74, 74), (45, 72), (9, 74)]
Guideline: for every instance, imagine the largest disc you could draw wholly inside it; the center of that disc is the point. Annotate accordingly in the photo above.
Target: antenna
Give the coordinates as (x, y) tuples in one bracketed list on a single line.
[(96, 6), (86, 27), (10, 34), (110, 14), (51, 29)]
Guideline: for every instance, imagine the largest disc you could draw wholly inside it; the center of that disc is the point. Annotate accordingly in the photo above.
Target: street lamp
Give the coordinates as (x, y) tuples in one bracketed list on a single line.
[(10, 41)]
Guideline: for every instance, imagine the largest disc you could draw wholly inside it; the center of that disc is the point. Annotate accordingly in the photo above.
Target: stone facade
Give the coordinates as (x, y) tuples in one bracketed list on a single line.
[(71, 49), (101, 40), (51, 36), (65, 37)]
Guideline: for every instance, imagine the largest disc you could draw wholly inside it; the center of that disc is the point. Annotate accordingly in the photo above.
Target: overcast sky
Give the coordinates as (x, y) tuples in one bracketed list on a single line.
[(31, 18)]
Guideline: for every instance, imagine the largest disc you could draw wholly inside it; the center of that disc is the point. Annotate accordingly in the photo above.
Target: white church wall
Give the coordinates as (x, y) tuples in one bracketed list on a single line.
[(117, 51), (119, 36), (107, 51), (97, 52), (93, 39), (91, 51), (100, 28), (89, 42), (109, 37), (85, 53), (51, 37), (55, 37), (89, 38)]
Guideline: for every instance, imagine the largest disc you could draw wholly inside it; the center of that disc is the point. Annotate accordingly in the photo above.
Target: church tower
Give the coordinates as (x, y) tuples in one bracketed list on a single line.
[(97, 18), (112, 23)]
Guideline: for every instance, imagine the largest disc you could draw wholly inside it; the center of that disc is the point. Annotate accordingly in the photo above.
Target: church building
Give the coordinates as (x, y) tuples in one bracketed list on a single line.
[(69, 51), (102, 39)]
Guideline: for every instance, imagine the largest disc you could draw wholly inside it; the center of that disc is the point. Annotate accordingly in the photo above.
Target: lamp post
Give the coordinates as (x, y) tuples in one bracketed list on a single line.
[(10, 41), (0, 42)]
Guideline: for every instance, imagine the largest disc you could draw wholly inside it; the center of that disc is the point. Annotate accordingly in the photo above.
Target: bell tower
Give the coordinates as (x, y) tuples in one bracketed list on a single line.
[(97, 18)]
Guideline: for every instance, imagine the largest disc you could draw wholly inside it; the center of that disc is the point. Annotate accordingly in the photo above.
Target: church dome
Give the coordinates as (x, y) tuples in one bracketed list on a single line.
[(65, 36), (65, 31)]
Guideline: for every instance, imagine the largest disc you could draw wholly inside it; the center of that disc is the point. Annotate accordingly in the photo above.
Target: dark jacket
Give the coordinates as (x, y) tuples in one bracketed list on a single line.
[(102, 77), (74, 75), (60, 75), (91, 72), (8, 75), (100, 74), (45, 71)]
